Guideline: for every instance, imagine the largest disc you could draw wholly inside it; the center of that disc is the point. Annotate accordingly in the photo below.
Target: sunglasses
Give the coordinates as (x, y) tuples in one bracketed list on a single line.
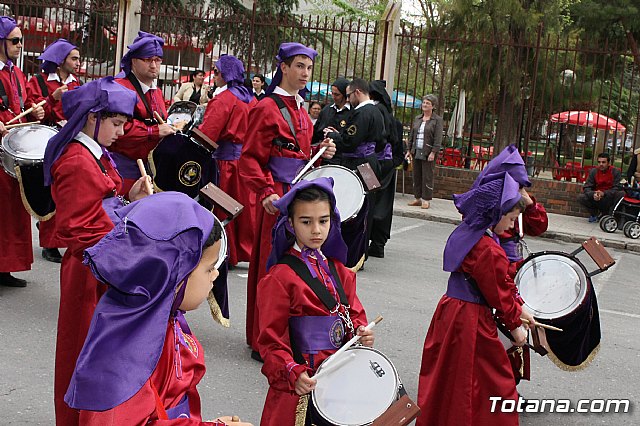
[(216, 71), (15, 40)]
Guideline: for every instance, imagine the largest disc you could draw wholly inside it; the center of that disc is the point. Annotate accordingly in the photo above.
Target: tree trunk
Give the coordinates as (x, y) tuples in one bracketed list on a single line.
[(508, 121)]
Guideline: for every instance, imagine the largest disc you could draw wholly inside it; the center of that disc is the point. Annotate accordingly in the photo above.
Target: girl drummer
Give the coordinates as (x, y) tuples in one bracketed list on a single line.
[(307, 249), (463, 361)]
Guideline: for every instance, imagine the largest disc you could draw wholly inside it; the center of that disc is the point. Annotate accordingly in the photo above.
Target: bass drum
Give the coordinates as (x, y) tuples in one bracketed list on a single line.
[(557, 290), (347, 188)]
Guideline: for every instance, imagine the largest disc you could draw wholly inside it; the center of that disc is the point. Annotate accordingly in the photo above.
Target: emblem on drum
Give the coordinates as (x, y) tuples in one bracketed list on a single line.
[(375, 367), (343, 123), (336, 333), (190, 173), (352, 130)]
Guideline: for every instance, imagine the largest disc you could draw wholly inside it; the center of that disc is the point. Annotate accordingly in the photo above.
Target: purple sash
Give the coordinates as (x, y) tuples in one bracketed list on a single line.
[(227, 151), (180, 411), (510, 247), (127, 167), (362, 151), (461, 288), (386, 153), (313, 334), (284, 169)]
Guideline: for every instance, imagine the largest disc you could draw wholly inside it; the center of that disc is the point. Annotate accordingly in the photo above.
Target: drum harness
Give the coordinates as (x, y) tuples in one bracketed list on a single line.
[(136, 85), (279, 143), (5, 98)]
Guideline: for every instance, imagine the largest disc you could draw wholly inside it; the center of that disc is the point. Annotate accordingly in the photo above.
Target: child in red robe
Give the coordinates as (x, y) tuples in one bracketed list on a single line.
[(464, 362), (307, 236), (141, 363)]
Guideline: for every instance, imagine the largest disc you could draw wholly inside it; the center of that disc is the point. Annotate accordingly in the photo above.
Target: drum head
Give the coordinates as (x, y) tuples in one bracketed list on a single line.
[(358, 391), (347, 188), (222, 255), (27, 142), (552, 284)]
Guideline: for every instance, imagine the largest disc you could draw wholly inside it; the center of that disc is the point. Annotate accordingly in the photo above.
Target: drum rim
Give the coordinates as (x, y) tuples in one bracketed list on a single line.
[(360, 347), (571, 309), (6, 148), (224, 249), (180, 103), (363, 194)]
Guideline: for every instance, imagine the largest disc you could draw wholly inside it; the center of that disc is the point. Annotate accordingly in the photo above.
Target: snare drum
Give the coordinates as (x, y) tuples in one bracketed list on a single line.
[(347, 188), (25, 146), (358, 391)]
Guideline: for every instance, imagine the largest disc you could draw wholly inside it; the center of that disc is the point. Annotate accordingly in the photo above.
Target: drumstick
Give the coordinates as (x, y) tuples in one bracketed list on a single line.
[(13, 126), (19, 116), (353, 340), (520, 226), (158, 117), (309, 164), (235, 418), (333, 366), (539, 324), (143, 172)]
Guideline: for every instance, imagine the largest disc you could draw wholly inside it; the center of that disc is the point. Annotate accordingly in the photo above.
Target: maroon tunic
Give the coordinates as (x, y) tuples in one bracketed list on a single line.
[(15, 222), (283, 294), (265, 124), (463, 360), (225, 122), (82, 222)]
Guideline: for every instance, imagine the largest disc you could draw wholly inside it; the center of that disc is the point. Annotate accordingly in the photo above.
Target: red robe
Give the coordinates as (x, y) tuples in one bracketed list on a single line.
[(82, 222), (52, 114), (139, 139), (266, 124), (225, 121), (283, 294), (15, 222), (140, 409), (463, 360)]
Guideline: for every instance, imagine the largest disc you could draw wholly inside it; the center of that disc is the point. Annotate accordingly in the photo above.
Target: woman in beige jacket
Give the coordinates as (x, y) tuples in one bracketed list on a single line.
[(195, 90)]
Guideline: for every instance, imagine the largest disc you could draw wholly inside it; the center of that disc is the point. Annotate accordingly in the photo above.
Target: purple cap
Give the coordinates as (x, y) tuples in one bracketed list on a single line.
[(482, 208), (96, 96), (286, 51), (510, 161), (232, 71), (282, 233), (155, 246), (55, 54), (7, 24), (144, 46)]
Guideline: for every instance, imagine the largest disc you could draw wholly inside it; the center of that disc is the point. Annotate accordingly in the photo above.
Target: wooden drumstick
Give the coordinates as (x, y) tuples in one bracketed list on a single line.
[(13, 126), (308, 165), (539, 324), (22, 114), (353, 340), (235, 419), (158, 117), (143, 172)]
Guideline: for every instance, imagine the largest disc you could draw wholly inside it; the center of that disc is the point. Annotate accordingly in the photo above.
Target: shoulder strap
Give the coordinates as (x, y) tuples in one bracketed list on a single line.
[(285, 114), (43, 86), (318, 287), (136, 85), (4, 97), (19, 91)]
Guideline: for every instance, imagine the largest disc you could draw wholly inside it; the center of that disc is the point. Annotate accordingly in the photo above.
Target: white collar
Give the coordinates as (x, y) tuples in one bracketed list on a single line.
[(53, 76), (280, 91), (2, 65), (347, 105), (297, 248), (361, 104), (93, 146), (219, 90), (258, 93), (143, 86)]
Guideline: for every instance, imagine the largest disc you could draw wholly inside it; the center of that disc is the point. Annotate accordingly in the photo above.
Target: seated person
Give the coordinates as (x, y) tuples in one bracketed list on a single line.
[(602, 188), (141, 363)]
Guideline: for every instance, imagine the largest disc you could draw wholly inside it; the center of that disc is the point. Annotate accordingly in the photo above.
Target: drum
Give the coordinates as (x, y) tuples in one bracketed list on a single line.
[(180, 163), (181, 111), (557, 290), (347, 188), (358, 391)]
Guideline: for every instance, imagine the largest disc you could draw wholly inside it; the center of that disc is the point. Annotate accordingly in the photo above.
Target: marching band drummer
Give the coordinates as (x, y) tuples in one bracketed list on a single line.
[(140, 70), (60, 60), (307, 247), (225, 121), (15, 226), (86, 187), (272, 154)]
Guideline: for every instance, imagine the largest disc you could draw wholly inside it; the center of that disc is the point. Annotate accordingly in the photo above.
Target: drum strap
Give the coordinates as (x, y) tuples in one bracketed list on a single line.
[(43, 86), (5, 98), (151, 121), (287, 117)]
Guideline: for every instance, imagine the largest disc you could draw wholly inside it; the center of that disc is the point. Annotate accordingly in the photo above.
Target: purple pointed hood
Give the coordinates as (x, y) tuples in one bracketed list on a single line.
[(155, 246), (287, 50), (482, 208), (510, 161), (233, 74), (55, 54), (283, 236), (144, 46)]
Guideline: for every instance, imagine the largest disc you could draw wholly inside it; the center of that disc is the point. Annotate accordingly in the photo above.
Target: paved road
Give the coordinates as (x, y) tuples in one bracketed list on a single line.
[(404, 287)]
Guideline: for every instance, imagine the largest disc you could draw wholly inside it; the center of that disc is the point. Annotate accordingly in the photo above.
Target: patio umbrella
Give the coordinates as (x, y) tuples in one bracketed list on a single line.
[(318, 90), (401, 99), (587, 119), (456, 125)]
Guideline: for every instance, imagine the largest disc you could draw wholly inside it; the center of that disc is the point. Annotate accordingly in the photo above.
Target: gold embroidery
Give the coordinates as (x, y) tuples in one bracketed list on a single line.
[(301, 410)]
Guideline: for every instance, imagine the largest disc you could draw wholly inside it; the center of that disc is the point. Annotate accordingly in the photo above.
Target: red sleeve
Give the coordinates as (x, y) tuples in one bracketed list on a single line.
[(78, 192), (34, 96), (216, 116), (488, 265), (534, 219)]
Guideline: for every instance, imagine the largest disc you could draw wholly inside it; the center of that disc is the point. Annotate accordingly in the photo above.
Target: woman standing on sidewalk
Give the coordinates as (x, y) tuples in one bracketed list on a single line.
[(424, 143)]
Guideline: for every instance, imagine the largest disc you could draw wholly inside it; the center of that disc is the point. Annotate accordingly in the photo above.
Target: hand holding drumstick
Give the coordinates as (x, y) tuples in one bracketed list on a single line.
[(164, 129), (142, 187)]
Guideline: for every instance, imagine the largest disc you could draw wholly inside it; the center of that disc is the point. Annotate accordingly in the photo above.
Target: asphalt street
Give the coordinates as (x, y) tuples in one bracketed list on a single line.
[(404, 287)]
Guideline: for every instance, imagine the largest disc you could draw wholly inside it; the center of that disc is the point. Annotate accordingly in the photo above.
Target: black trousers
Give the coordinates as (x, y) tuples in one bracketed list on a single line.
[(604, 205)]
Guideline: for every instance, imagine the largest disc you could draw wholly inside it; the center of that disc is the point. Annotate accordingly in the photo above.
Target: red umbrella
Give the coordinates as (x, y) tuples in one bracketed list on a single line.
[(588, 119)]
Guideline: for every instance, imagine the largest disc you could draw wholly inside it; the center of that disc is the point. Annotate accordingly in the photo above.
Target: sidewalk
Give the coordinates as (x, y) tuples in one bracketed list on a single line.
[(564, 228)]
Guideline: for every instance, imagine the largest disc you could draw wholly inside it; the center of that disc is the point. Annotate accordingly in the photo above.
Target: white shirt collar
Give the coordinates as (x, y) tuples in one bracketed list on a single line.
[(361, 104), (2, 65), (258, 93), (219, 90), (345, 106), (53, 76), (280, 91), (144, 87), (93, 146), (297, 248)]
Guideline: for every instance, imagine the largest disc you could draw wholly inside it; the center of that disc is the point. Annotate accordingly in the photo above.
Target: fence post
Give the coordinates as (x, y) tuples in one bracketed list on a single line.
[(387, 49), (128, 26)]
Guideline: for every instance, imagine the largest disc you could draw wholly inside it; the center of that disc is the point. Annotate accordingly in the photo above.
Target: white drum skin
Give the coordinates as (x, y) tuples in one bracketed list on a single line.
[(25, 146), (347, 187)]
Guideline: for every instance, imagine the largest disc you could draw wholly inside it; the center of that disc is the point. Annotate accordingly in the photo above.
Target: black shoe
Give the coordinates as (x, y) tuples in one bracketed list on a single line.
[(52, 255), (256, 355), (376, 251), (8, 280)]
